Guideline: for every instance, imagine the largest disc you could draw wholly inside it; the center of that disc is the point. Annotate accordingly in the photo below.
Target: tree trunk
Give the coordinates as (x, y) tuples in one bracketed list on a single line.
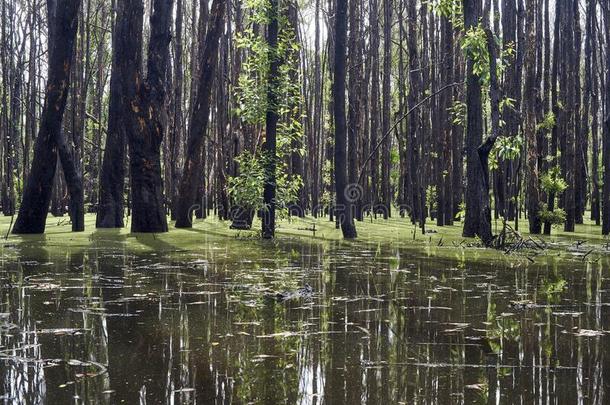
[(271, 119), (386, 109), (414, 124), (355, 95), (344, 200), (146, 121), (529, 99), (591, 105), (374, 100), (63, 22), (606, 144), (568, 151), (189, 181), (110, 210), (474, 171), (555, 105)]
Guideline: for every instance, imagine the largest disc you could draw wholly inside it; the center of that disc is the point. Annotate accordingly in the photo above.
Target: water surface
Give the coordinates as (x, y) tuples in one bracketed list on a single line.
[(385, 324)]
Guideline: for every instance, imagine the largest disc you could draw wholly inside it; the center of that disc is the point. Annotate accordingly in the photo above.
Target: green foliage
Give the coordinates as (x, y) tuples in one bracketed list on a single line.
[(555, 217), (326, 199), (552, 182), (431, 196), (253, 87), (505, 103), (508, 147), (246, 189), (451, 9), (462, 211), (251, 92), (252, 104), (474, 45), (553, 289), (548, 123), (458, 113), (505, 148), (507, 54)]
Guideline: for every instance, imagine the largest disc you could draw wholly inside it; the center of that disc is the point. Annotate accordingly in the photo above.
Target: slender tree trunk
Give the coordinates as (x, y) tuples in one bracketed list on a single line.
[(344, 200), (529, 99), (355, 79), (568, 152), (414, 123), (510, 115), (199, 120), (7, 190), (386, 110), (558, 114), (474, 133), (592, 102), (606, 148), (580, 137), (124, 65), (374, 100), (271, 119)]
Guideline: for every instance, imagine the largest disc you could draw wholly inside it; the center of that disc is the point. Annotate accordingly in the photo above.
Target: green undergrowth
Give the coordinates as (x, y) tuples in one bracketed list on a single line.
[(443, 242)]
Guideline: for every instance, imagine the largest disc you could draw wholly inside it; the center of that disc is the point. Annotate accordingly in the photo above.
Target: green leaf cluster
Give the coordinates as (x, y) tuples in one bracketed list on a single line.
[(555, 217), (552, 182)]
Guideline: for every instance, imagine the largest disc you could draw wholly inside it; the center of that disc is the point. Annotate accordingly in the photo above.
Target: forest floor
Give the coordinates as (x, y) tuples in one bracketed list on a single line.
[(446, 241)]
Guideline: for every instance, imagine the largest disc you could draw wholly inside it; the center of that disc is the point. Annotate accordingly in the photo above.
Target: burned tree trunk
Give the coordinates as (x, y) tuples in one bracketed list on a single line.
[(474, 133), (63, 22), (199, 120), (533, 187), (125, 60), (569, 142), (414, 124), (345, 202), (355, 95), (386, 108), (271, 119), (483, 151), (146, 122), (606, 134), (591, 105), (555, 105), (374, 102)]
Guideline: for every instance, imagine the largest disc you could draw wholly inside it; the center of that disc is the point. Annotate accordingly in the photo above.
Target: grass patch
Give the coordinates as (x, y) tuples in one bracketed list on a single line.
[(445, 241)]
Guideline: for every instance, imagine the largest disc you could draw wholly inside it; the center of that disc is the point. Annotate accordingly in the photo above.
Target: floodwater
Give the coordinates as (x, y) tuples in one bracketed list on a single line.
[(384, 325)]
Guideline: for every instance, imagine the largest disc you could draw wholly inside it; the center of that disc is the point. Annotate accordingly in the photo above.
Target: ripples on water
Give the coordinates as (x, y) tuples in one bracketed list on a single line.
[(108, 324)]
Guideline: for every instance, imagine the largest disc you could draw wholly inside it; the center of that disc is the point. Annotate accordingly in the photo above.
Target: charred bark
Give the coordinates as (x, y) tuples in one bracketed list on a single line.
[(189, 181), (63, 22)]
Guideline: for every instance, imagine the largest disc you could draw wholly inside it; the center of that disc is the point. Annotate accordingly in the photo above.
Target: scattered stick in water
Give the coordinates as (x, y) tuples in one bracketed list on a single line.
[(587, 254), (8, 231)]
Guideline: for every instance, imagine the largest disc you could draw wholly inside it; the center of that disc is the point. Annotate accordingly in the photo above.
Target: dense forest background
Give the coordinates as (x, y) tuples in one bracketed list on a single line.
[(442, 110)]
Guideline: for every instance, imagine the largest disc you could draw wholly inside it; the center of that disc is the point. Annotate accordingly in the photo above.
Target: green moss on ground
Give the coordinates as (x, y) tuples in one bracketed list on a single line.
[(444, 241)]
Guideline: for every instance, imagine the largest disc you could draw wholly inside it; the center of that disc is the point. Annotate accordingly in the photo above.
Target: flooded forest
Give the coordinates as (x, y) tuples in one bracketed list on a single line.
[(305, 202)]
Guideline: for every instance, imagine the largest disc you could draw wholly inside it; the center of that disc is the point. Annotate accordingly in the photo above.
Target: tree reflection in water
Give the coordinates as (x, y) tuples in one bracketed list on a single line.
[(386, 324)]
